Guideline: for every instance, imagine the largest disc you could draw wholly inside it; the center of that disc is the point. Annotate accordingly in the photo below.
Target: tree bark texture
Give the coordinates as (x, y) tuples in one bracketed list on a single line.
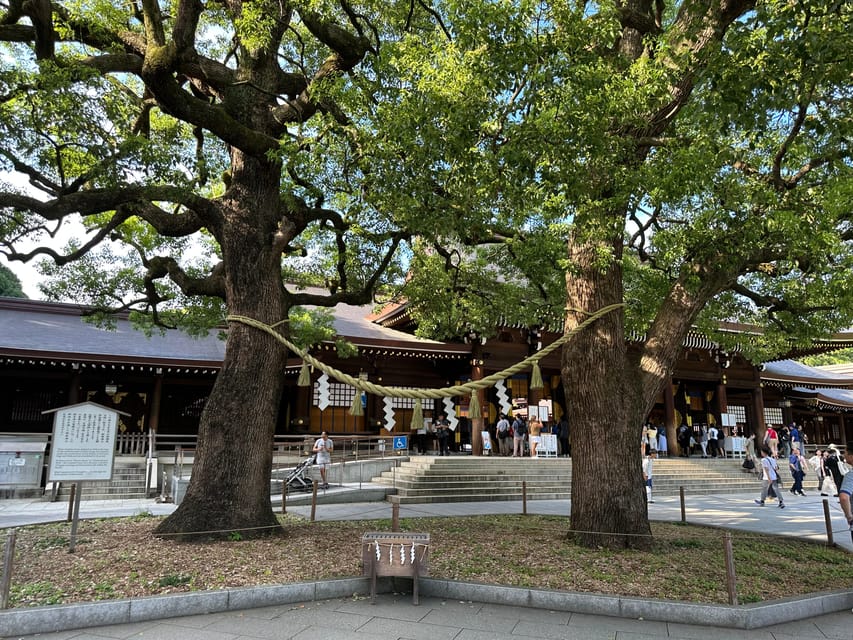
[(608, 497), (235, 440)]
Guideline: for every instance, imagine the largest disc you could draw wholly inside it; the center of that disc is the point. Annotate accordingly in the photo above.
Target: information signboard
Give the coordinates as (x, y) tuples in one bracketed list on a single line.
[(83, 444), (21, 463)]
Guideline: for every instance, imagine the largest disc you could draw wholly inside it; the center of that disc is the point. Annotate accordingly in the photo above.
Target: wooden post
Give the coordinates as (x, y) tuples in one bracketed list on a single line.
[(416, 572), (71, 502), (830, 541), (313, 500), (75, 520), (524, 497), (731, 582), (8, 559), (683, 510), (395, 516)]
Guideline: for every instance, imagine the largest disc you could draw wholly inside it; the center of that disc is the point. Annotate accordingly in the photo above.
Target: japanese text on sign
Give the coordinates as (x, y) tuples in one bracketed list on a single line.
[(83, 443)]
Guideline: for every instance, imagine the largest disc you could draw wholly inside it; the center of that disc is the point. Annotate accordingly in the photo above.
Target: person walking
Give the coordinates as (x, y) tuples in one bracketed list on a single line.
[(797, 465), (770, 471), (703, 440), (503, 431), (519, 430), (771, 439), (323, 451), (833, 456)]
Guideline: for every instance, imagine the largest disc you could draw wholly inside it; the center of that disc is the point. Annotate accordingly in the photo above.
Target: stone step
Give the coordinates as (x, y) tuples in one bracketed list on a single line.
[(462, 478)]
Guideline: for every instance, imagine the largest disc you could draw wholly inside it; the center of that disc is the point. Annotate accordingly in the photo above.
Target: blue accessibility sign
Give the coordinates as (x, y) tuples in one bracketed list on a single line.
[(401, 442)]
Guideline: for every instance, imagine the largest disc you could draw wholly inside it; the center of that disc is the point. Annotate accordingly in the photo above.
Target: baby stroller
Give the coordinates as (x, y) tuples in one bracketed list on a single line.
[(298, 477)]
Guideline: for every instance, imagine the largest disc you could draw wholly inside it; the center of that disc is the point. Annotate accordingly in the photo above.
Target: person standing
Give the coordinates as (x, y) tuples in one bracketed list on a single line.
[(648, 468), (683, 437), (845, 492), (797, 439), (770, 471), (519, 430), (534, 428), (721, 442), (503, 430), (711, 437), (323, 447), (784, 441), (442, 434), (797, 465), (563, 435)]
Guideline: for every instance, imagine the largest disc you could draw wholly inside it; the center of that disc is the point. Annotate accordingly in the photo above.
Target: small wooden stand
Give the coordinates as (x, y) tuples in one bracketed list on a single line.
[(395, 558)]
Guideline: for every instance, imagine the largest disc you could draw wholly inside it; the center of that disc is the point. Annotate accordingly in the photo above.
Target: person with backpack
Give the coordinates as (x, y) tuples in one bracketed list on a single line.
[(519, 430), (504, 433), (784, 441), (770, 471), (683, 437)]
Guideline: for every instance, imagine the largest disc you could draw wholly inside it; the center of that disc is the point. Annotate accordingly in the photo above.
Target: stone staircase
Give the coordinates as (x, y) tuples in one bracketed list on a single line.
[(472, 479), (128, 483)]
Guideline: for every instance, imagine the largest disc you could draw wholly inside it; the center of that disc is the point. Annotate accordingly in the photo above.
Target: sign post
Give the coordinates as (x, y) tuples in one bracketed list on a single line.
[(82, 448)]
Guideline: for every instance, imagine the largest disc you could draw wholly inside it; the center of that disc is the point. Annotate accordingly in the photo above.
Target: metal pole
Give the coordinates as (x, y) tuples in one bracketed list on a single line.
[(284, 495), (524, 497), (8, 559), (731, 582), (314, 501), (830, 541), (71, 495), (683, 510)]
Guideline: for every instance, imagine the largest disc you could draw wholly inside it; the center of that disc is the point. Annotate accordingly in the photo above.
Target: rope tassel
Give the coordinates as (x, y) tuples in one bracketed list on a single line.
[(418, 415), (356, 408), (536, 377), (474, 406), (304, 376)]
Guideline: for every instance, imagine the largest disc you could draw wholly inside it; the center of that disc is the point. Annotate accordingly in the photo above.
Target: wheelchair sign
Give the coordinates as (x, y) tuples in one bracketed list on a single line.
[(401, 442)]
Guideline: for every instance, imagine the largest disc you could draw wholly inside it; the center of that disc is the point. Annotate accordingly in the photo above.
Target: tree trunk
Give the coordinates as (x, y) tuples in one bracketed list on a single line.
[(608, 496), (230, 485)]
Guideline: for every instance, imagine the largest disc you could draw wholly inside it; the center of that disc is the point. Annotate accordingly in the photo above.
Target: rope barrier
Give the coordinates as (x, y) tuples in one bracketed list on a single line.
[(26, 531), (425, 394)]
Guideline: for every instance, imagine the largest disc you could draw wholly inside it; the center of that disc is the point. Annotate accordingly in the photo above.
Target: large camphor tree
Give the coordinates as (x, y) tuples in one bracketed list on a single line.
[(690, 160), (172, 131)]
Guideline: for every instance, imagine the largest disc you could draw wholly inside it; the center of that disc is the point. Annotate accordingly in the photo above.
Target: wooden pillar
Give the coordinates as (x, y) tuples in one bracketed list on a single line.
[(669, 418), (723, 404), (74, 388), (154, 407), (758, 409), (478, 424)]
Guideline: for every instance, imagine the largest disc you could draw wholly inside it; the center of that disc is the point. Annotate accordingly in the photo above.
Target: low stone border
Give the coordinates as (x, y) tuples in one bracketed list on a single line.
[(27, 621)]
